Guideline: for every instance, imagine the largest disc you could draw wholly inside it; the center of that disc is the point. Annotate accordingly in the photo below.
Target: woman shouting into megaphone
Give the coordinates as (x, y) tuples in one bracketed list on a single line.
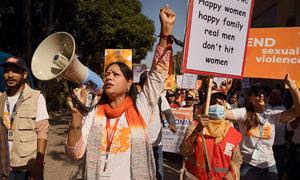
[(115, 134)]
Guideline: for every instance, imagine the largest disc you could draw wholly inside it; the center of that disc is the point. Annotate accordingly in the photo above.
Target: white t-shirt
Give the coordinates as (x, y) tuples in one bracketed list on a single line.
[(279, 128), (155, 127), (119, 156), (42, 112), (264, 158)]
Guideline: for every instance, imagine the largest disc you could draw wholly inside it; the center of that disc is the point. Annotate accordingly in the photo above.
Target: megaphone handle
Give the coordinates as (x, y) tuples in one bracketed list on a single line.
[(81, 107)]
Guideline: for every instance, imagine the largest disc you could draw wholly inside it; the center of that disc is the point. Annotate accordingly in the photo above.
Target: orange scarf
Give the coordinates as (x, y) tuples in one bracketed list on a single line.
[(267, 132), (217, 129), (141, 148), (133, 117)]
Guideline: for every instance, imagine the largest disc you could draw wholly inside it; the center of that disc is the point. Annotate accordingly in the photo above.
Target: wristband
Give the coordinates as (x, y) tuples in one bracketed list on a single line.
[(168, 38), (165, 36)]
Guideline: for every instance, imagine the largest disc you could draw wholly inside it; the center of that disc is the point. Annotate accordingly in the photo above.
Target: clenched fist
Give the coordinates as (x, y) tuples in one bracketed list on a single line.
[(167, 19)]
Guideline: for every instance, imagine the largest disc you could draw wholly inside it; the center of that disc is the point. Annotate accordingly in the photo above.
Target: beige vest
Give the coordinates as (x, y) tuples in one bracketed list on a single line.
[(24, 147)]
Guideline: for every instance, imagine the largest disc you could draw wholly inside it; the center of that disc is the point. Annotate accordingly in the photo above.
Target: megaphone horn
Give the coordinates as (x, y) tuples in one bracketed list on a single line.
[(55, 56)]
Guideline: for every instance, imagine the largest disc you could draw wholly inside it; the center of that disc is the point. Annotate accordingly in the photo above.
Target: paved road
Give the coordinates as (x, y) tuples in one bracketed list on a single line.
[(60, 167), (57, 165)]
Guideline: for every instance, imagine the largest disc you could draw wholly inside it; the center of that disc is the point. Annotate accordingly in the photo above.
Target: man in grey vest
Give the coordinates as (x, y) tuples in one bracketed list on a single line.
[(23, 125)]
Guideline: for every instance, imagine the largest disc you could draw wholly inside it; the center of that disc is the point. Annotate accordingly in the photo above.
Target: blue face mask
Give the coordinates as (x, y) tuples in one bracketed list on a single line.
[(216, 112)]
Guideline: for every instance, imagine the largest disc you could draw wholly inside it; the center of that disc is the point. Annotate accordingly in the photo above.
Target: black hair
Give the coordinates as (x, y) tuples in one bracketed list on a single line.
[(252, 120), (234, 93), (213, 99), (127, 72)]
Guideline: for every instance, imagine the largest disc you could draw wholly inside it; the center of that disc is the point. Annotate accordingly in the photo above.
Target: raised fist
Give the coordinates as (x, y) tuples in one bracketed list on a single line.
[(167, 19)]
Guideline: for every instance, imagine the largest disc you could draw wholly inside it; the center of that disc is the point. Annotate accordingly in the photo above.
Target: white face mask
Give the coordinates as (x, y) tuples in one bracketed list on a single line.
[(216, 112)]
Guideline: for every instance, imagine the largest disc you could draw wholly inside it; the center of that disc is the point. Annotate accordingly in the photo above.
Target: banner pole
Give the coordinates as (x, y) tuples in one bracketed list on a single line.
[(207, 103), (205, 112), (208, 96)]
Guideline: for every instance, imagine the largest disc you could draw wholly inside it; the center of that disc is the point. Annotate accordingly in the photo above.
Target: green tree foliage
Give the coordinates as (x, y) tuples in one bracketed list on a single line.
[(95, 24), (10, 39), (114, 24)]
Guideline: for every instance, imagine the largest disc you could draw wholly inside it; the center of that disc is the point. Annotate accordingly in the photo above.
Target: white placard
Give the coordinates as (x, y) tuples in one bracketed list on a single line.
[(179, 81), (138, 69), (189, 81), (171, 141), (216, 35)]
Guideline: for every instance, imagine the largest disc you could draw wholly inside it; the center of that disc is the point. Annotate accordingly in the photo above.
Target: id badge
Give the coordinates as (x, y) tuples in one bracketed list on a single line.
[(228, 149), (10, 135), (105, 166), (256, 154)]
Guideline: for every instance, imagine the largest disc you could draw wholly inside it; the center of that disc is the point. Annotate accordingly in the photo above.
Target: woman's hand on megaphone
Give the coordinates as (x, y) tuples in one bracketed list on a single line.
[(70, 104), (77, 114), (81, 94)]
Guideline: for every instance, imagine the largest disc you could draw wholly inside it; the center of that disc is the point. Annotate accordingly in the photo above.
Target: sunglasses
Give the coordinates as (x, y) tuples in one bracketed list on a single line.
[(259, 93)]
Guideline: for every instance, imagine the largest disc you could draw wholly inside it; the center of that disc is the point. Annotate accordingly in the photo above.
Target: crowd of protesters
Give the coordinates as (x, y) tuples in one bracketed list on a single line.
[(267, 143), (244, 133)]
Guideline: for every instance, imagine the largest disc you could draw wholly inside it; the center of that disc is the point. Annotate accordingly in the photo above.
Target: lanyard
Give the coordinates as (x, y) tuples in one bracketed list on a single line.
[(110, 134), (13, 113), (261, 127), (261, 130)]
